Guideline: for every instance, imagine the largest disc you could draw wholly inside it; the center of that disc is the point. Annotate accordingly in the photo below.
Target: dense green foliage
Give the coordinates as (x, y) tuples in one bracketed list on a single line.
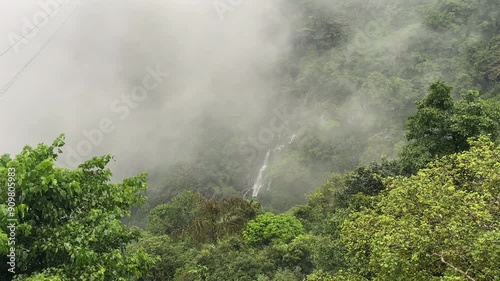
[(200, 219), (269, 228), (441, 126), (392, 173), (68, 221), (441, 223)]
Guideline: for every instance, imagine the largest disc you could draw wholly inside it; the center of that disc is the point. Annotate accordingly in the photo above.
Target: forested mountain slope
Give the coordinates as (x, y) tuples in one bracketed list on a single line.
[(379, 159), (346, 85)]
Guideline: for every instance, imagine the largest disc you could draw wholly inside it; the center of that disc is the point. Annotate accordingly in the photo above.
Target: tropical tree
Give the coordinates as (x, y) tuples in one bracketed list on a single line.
[(190, 215), (67, 222), (441, 126), (171, 255), (269, 228), (440, 224)]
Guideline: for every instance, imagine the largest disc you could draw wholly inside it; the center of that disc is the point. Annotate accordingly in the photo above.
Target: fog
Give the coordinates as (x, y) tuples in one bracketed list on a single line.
[(219, 61), (155, 82)]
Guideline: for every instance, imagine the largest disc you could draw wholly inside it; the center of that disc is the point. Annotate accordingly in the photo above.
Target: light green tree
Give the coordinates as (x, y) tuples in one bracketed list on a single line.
[(68, 221), (269, 228), (440, 224)]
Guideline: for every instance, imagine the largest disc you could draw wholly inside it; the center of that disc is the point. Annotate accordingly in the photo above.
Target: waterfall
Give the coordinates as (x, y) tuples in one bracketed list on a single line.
[(259, 182), (260, 178)]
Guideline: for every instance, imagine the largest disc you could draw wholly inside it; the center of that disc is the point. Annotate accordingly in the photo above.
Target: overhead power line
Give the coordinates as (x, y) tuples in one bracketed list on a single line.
[(29, 31), (33, 58)]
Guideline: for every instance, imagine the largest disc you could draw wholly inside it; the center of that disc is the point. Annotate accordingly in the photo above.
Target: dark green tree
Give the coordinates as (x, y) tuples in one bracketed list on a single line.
[(200, 219), (441, 126)]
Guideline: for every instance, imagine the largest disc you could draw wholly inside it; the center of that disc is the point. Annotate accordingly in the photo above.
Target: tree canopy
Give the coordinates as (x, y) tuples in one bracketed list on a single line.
[(68, 221)]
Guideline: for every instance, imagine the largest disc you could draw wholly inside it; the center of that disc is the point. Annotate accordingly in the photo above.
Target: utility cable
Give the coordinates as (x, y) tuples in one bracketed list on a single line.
[(33, 58), (29, 31)]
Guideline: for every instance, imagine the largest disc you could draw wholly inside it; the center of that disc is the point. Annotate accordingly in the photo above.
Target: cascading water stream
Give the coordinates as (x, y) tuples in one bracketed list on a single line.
[(260, 178), (259, 182)]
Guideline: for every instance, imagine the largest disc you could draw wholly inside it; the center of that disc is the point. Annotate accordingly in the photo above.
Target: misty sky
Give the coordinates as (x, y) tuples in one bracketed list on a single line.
[(205, 63), (215, 67)]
